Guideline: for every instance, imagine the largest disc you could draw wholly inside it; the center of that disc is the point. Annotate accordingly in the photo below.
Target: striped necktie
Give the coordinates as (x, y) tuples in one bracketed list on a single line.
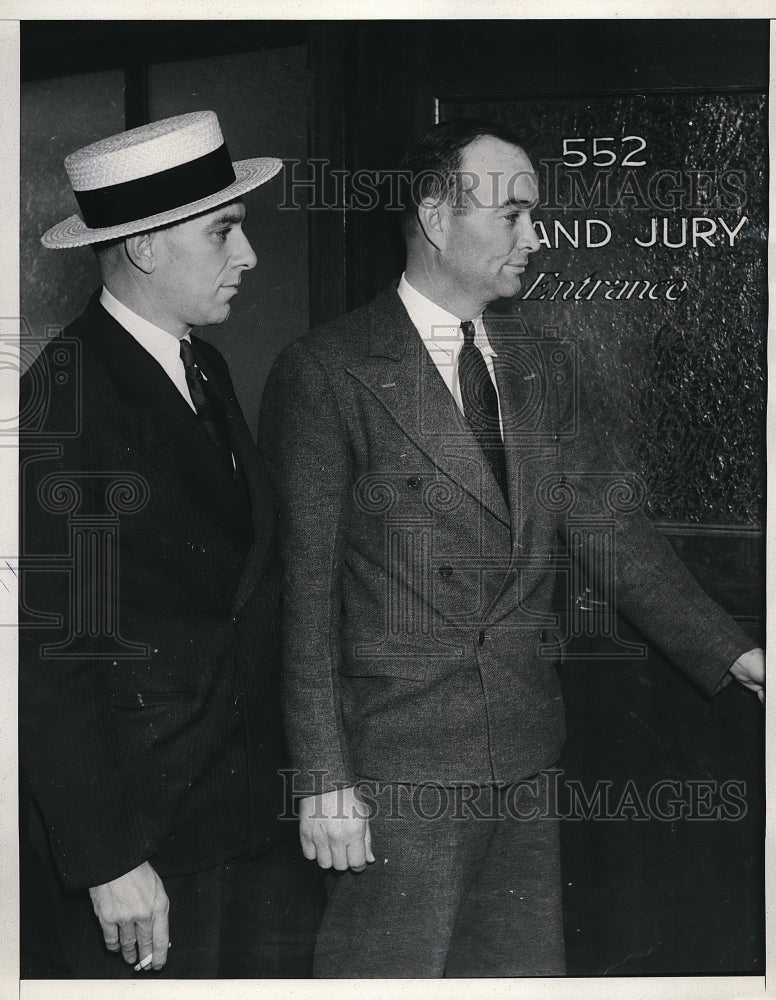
[(480, 405)]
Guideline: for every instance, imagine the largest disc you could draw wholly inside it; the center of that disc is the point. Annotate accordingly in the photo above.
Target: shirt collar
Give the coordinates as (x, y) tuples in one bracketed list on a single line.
[(158, 342), (439, 329)]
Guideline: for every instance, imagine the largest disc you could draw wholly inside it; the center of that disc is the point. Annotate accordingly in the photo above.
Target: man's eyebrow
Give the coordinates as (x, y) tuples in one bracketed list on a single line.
[(524, 203), (229, 215)]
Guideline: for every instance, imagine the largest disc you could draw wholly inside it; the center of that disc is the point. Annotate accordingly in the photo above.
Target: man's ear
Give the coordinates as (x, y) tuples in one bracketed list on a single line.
[(140, 251), (433, 217)]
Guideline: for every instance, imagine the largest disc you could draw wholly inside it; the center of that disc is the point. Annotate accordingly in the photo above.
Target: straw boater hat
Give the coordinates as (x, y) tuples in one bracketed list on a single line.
[(151, 176)]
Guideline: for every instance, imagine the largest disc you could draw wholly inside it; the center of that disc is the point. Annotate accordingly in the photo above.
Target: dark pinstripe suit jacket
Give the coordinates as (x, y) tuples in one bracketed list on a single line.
[(158, 737)]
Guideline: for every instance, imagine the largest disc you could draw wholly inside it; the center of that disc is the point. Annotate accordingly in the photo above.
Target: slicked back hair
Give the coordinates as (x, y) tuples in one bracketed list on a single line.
[(432, 164)]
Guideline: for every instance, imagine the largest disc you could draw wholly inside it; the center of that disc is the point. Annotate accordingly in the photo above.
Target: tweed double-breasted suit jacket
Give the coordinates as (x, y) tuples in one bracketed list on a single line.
[(149, 665), (419, 639)]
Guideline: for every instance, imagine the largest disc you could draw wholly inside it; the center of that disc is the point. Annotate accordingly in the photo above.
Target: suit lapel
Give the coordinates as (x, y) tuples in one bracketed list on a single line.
[(399, 372), (152, 415)]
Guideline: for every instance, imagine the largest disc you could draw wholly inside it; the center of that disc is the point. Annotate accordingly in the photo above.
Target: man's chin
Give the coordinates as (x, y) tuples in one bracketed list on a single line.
[(220, 317), (511, 287)]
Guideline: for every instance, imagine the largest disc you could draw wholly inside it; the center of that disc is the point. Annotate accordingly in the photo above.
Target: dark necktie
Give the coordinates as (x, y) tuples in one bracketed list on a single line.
[(480, 405), (210, 409)]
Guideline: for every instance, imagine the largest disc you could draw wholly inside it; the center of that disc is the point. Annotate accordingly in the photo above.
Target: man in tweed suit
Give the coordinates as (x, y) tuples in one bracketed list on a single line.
[(149, 672), (418, 460)]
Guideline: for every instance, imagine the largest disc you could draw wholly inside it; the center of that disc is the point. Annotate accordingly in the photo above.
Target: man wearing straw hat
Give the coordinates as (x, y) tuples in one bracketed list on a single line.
[(149, 725)]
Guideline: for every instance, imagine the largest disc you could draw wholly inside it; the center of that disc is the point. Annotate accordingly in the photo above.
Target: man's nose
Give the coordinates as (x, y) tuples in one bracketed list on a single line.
[(244, 256), (529, 241)]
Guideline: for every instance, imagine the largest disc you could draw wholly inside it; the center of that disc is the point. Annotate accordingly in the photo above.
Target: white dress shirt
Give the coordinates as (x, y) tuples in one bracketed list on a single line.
[(163, 347), (442, 336)]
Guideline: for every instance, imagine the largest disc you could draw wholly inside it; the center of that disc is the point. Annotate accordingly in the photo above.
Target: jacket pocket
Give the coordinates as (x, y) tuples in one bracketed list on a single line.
[(401, 663)]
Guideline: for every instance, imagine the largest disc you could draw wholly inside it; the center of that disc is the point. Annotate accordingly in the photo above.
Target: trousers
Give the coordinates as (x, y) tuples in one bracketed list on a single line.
[(466, 883)]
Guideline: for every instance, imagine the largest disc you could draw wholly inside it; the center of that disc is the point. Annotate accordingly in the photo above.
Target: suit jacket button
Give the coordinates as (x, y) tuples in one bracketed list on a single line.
[(446, 571), (413, 482), (481, 637)]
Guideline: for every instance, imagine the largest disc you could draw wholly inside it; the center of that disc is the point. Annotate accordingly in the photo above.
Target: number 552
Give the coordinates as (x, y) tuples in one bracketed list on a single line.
[(575, 151)]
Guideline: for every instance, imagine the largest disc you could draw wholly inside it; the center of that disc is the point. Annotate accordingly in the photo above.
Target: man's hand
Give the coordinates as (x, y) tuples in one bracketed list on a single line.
[(749, 670), (132, 911), (334, 829)]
